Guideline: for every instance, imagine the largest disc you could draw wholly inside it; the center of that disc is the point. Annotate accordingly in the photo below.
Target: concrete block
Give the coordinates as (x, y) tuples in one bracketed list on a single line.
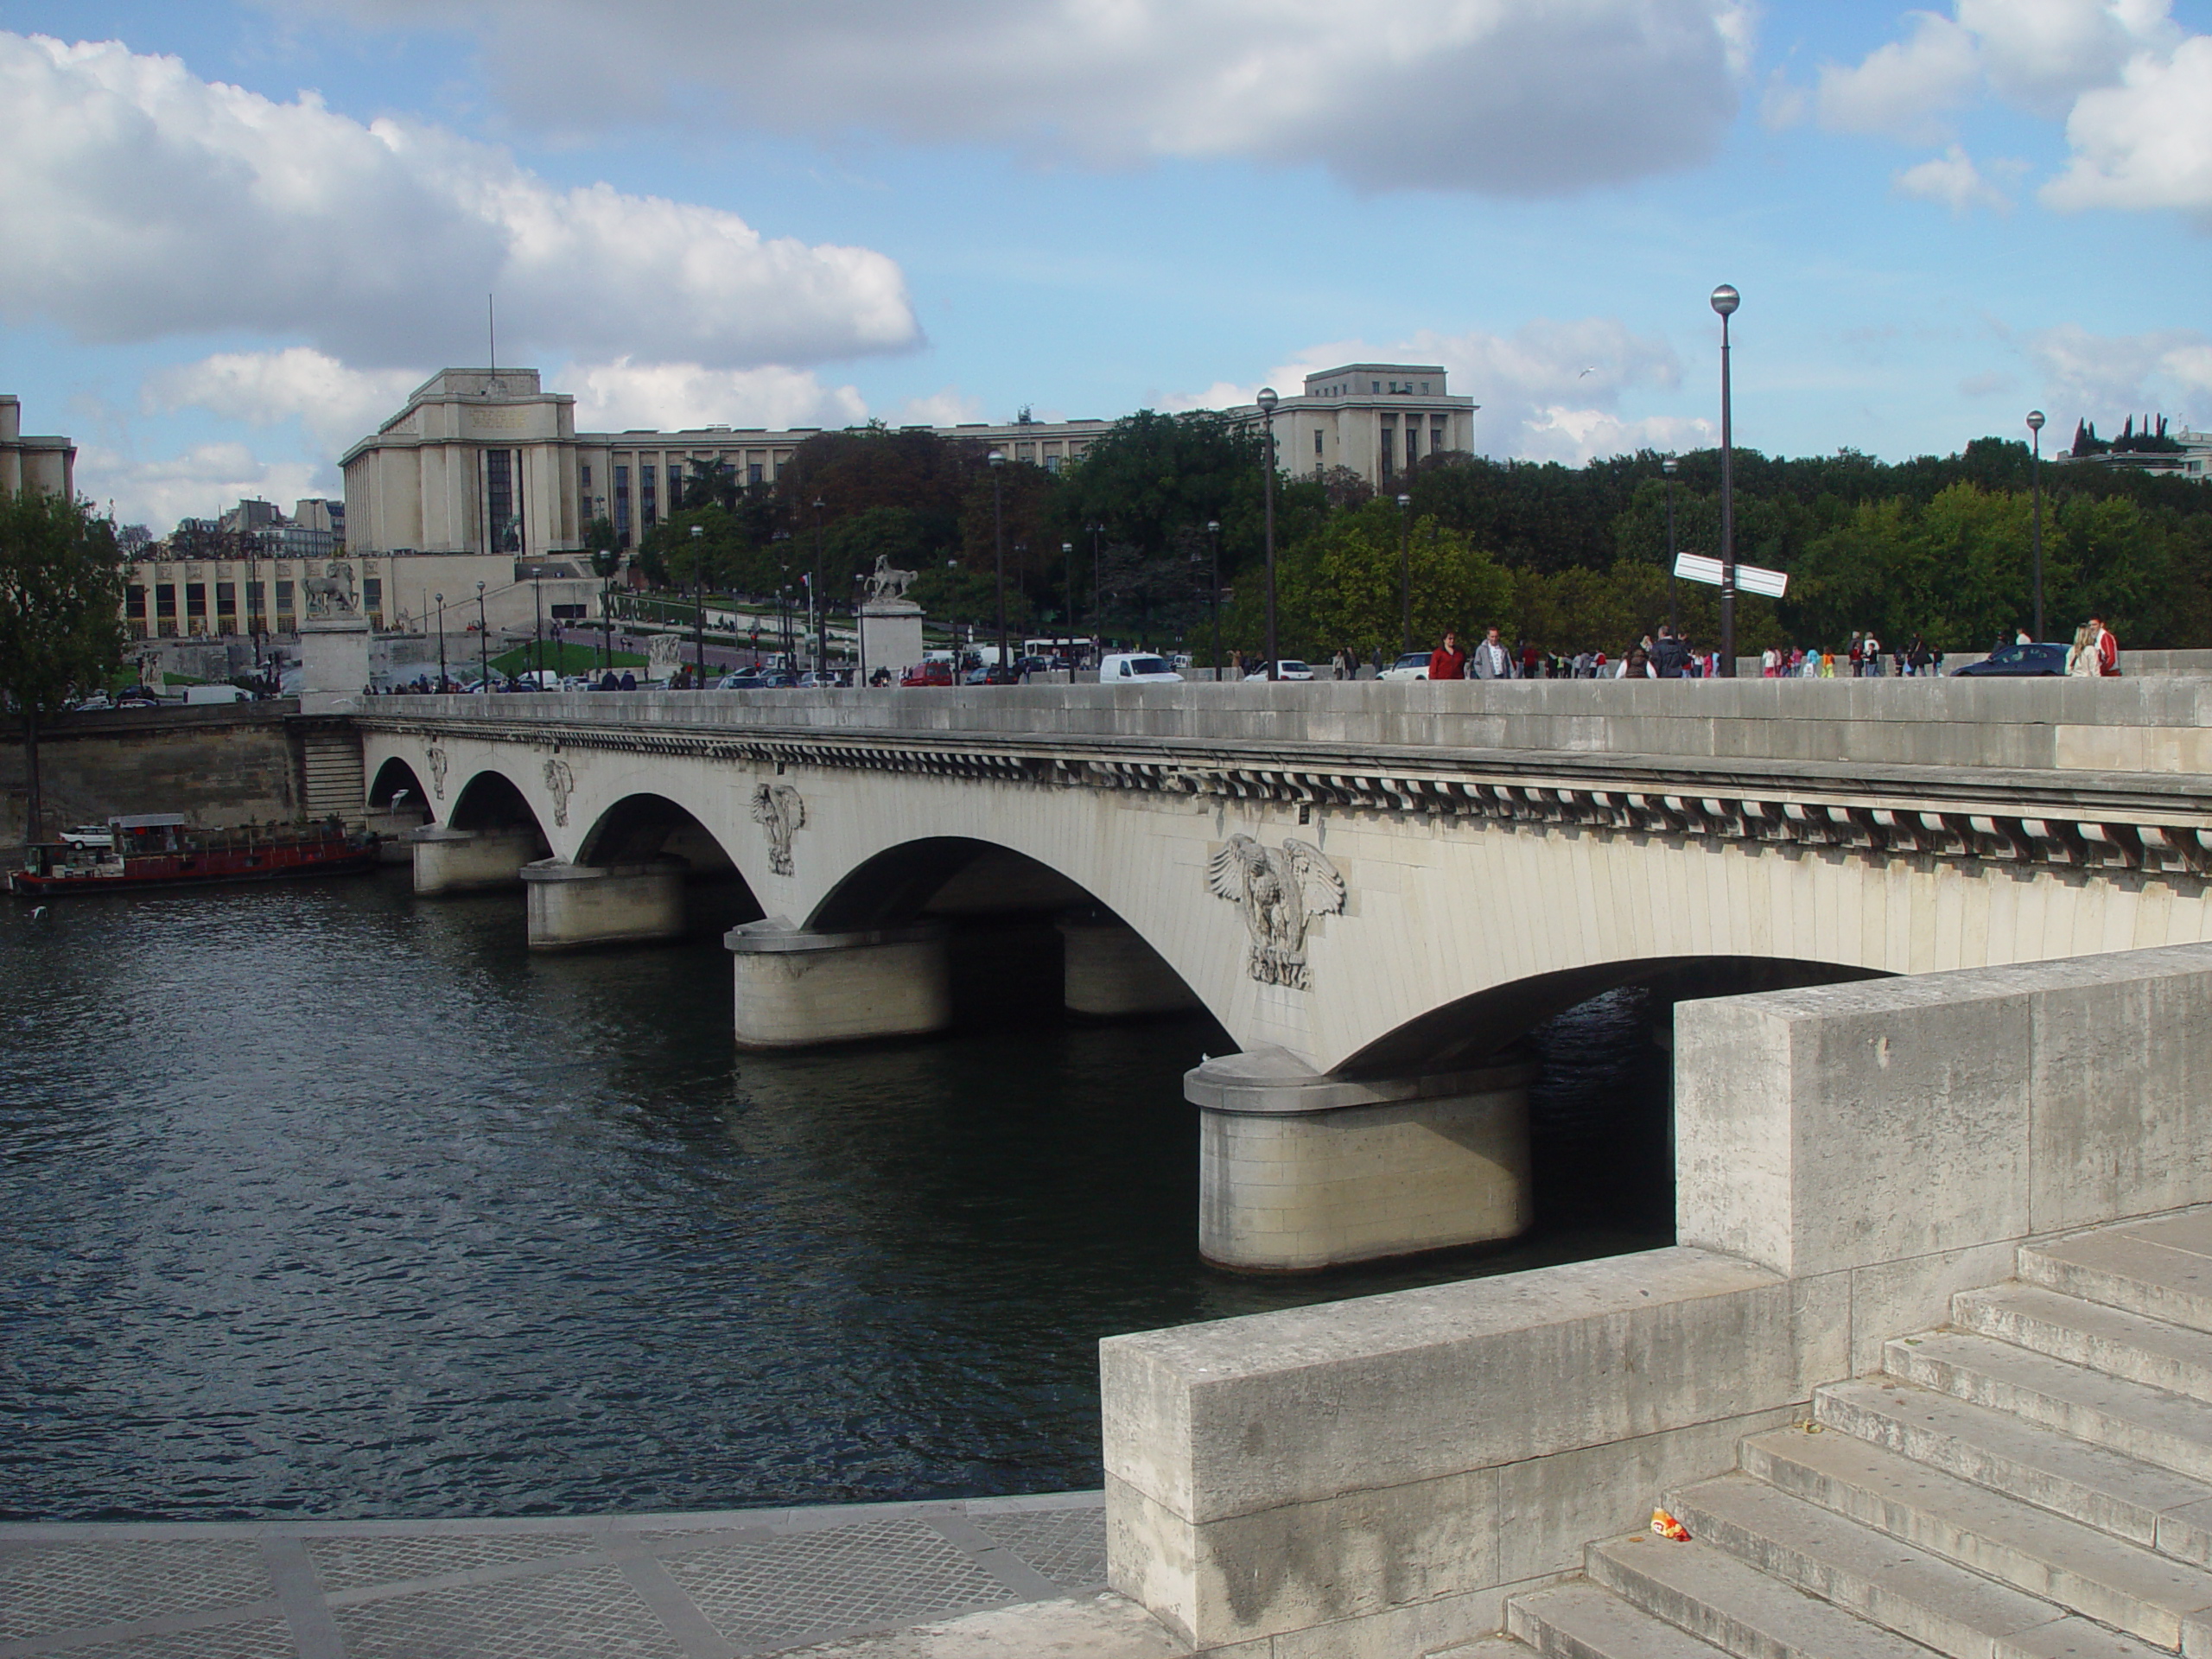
[(795, 990), (465, 861), (573, 907)]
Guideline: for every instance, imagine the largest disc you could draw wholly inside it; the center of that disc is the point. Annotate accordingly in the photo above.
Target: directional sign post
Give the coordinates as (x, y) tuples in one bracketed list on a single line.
[(1750, 578)]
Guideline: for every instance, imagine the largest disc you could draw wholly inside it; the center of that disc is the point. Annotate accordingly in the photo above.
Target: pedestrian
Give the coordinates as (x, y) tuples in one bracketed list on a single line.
[(1447, 661), (1528, 660), (1669, 656), (2082, 655), (629, 681), (1637, 665), (2107, 649), (1857, 652), (1770, 663), (1918, 656), (1493, 660), (1871, 665)]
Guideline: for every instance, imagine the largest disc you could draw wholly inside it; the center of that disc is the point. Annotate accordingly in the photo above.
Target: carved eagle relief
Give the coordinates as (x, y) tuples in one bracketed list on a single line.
[(1280, 890)]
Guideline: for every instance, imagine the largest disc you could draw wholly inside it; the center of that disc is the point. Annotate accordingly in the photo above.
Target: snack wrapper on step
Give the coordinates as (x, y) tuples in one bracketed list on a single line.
[(1670, 1529)]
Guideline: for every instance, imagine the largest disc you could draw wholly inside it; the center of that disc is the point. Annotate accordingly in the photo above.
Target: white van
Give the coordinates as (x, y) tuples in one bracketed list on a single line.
[(216, 694), (1136, 667)]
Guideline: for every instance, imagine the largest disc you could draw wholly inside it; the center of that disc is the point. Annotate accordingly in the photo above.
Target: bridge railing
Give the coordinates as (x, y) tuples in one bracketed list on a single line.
[(2158, 725)]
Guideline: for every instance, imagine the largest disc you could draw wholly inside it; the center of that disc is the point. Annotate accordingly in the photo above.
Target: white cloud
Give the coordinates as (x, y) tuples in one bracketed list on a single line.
[(1549, 392), (615, 396), (337, 404), (2105, 377), (198, 484), (1903, 88), (1500, 96), (1954, 180), (2147, 142), (142, 201), (948, 407)]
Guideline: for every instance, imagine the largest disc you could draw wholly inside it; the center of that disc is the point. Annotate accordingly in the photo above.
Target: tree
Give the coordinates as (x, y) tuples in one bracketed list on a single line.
[(60, 614), (1358, 583)]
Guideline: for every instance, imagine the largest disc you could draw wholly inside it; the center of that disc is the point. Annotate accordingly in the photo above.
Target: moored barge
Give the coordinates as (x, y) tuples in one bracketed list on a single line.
[(157, 849)]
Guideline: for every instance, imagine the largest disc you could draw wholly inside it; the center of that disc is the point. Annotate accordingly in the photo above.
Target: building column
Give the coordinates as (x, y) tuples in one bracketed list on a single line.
[(1113, 973), (1299, 1170), (794, 989), (468, 860), (572, 905)]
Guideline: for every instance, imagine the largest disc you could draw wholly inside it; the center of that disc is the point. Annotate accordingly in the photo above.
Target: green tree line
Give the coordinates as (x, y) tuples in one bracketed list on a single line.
[(1125, 542)]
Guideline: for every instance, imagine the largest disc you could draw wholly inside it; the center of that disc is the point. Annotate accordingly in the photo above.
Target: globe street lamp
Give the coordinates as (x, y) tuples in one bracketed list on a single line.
[(817, 598), (1266, 401), (1213, 530), (483, 645), (1096, 531), (1670, 467), (998, 532), (2035, 432), (1405, 570), (1725, 301), (1067, 557), (442, 644)]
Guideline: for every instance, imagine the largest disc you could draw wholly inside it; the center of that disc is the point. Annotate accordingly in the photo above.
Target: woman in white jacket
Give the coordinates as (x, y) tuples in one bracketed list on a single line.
[(1637, 665), (2082, 657)]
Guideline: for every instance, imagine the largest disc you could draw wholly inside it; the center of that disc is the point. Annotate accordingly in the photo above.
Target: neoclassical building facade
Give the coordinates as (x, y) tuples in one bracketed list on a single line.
[(487, 461), (46, 465)]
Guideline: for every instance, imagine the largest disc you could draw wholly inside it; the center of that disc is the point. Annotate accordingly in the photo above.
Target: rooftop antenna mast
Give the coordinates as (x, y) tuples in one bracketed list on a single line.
[(492, 329)]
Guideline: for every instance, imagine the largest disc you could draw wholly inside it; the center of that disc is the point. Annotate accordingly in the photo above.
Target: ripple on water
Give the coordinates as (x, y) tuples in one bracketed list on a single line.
[(323, 1202)]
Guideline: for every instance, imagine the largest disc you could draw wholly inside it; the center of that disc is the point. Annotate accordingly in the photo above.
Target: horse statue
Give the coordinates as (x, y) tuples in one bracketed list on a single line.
[(889, 582), (332, 593)]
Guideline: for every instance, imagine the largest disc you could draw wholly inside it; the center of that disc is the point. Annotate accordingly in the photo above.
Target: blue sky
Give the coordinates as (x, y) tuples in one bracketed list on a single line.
[(240, 231)]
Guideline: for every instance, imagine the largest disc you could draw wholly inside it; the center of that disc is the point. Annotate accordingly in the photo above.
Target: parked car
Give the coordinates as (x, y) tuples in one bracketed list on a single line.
[(1414, 666), (1126, 668), (743, 679), (821, 679), (1289, 668), (938, 673), (138, 697), (2042, 660), (991, 674), (93, 704)]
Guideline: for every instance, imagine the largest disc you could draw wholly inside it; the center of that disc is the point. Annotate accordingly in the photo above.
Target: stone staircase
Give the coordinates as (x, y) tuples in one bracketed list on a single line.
[(2032, 1481)]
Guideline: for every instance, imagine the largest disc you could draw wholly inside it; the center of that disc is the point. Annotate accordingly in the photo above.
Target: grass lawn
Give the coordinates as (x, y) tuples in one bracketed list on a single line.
[(566, 657)]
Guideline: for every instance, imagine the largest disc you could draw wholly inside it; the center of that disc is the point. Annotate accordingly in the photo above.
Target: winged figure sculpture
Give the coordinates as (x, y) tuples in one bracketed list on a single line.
[(778, 809), (1280, 890)]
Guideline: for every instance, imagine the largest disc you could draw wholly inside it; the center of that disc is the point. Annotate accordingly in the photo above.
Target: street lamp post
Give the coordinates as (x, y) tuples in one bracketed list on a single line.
[(1725, 301), (537, 633), (442, 644), (1266, 401), (998, 532), (1067, 556), (2035, 431), (817, 600), (1213, 533), (1405, 570), (1097, 530), (698, 608), (1673, 611), (483, 645)]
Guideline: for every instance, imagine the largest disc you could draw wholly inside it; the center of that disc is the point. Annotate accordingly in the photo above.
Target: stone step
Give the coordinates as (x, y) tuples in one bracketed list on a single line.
[(2045, 1555), (1733, 1606), (2162, 1269), (2169, 1429), (1884, 1580), (2141, 1502), (2105, 1339), (1582, 1620)]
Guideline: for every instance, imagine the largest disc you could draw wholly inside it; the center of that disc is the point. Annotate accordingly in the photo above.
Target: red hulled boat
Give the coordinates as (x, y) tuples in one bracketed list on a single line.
[(156, 849)]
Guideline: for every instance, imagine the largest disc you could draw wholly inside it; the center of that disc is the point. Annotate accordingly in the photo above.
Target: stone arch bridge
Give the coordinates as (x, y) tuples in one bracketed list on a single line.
[(1374, 888)]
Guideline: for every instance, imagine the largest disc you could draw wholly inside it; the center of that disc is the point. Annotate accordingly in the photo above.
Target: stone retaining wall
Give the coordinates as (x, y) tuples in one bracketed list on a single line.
[(219, 764)]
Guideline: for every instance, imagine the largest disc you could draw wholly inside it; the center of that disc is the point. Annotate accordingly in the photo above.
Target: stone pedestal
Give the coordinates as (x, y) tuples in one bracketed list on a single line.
[(1299, 1171), (1113, 973), (391, 830), (795, 990), (572, 905), (334, 664), (891, 636), (468, 860)]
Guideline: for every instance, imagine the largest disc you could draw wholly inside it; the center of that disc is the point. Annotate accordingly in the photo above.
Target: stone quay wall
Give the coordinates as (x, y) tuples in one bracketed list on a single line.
[(219, 765), (1375, 1477)]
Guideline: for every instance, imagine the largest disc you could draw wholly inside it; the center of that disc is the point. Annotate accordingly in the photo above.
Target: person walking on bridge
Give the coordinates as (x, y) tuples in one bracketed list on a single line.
[(1447, 661), (1493, 660), (2108, 644)]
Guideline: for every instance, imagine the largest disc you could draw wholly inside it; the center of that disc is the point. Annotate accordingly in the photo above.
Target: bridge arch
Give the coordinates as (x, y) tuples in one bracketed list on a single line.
[(397, 785), (640, 828), (1470, 1029), (491, 800)]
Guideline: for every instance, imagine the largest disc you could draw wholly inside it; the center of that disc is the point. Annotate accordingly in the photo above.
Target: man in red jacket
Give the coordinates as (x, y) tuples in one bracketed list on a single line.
[(1447, 661), (2107, 644)]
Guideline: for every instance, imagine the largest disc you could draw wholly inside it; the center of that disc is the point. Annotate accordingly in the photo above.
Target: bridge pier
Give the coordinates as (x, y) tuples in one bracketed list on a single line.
[(468, 860), (573, 905), (794, 989), (1113, 973), (1298, 1170)]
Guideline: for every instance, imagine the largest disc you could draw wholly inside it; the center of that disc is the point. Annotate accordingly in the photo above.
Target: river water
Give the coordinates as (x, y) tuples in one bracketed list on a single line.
[(316, 1200)]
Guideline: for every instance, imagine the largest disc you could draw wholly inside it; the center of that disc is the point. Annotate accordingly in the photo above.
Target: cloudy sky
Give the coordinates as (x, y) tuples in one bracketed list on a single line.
[(237, 233)]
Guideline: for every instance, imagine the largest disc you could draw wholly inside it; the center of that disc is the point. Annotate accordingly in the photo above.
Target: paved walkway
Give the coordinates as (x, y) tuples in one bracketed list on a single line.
[(1013, 1575)]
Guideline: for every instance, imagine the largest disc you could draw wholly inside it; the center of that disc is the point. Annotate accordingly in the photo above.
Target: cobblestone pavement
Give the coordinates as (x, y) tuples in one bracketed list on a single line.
[(668, 1586)]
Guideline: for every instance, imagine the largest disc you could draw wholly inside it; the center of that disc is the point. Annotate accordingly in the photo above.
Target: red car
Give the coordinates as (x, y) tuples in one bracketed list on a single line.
[(937, 673)]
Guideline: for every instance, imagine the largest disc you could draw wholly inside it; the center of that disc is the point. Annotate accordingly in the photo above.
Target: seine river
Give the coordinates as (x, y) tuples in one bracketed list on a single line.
[(321, 1201)]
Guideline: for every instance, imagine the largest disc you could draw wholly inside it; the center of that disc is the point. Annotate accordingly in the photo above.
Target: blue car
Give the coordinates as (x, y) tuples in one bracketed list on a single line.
[(2041, 661)]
